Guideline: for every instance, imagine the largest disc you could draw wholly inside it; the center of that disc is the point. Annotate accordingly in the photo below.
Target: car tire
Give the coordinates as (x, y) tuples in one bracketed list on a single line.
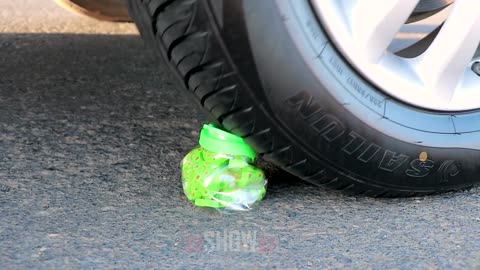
[(267, 71)]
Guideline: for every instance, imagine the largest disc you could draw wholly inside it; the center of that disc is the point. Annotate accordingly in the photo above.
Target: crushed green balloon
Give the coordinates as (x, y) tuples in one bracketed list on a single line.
[(219, 173)]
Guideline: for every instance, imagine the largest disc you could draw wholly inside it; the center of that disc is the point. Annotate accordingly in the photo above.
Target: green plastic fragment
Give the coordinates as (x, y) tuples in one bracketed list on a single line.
[(208, 203), (219, 174), (222, 142)]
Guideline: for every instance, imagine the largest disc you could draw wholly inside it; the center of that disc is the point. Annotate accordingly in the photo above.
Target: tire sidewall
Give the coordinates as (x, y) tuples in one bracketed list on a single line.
[(336, 116)]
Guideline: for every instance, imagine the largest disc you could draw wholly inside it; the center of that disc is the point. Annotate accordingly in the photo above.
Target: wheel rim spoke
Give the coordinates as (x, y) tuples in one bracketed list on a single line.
[(373, 33), (443, 64), (432, 69)]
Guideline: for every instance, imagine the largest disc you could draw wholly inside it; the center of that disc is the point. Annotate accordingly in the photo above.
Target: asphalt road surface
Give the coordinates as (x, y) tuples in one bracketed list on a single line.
[(92, 131)]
